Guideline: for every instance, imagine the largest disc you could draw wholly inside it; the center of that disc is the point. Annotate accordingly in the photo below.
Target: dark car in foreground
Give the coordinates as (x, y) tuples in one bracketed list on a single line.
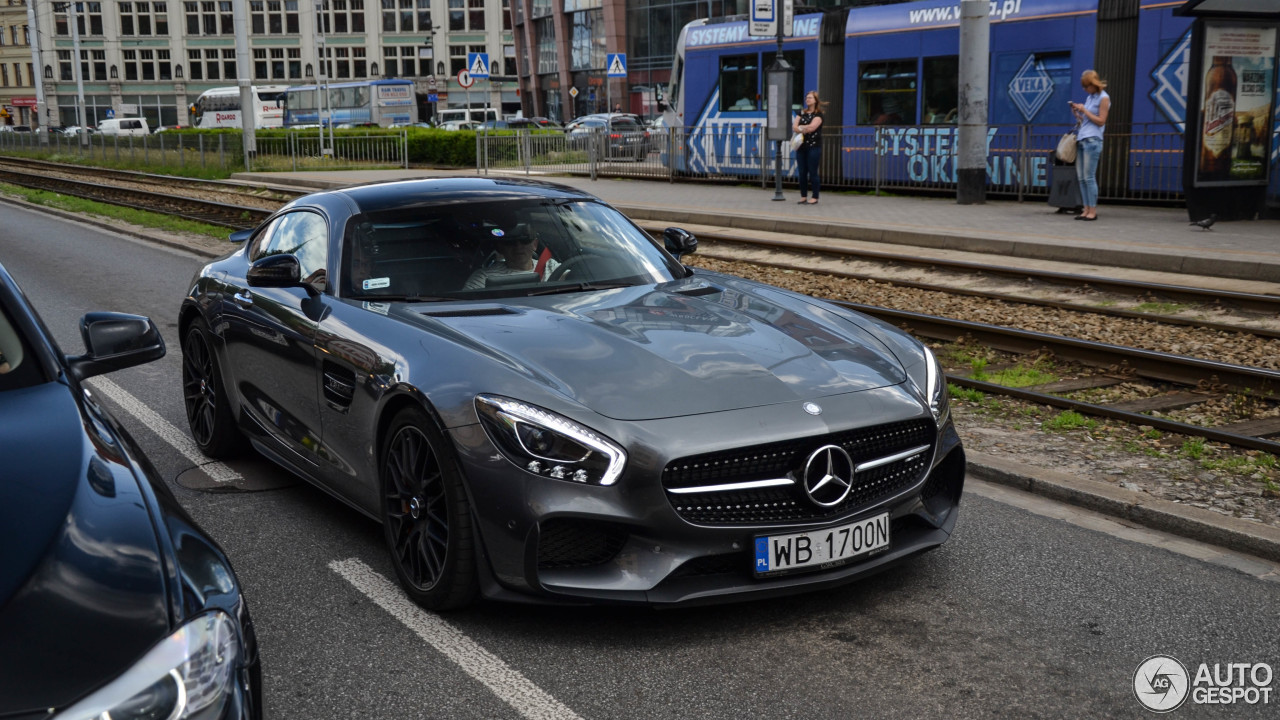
[(113, 603), (540, 402)]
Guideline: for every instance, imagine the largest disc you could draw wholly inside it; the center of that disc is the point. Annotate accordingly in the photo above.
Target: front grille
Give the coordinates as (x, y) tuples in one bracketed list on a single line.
[(575, 543), (790, 504)]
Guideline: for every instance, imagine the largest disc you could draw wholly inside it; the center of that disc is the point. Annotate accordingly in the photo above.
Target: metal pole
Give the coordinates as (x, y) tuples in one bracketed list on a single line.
[(248, 106), (777, 144), (38, 76), (73, 17), (975, 44)]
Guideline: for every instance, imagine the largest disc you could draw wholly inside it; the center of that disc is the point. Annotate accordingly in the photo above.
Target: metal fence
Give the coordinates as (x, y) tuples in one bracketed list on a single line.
[(214, 152), (1139, 163), (162, 151)]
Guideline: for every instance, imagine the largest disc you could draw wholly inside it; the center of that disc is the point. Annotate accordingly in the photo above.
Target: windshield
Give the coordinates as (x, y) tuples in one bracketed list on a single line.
[(511, 248)]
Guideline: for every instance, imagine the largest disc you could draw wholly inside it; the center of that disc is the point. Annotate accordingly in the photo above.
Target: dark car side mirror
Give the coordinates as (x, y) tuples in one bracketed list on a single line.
[(240, 236), (679, 241), (114, 341), (277, 271)]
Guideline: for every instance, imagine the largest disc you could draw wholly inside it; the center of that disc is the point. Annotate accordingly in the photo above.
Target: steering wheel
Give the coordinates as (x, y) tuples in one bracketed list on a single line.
[(565, 266)]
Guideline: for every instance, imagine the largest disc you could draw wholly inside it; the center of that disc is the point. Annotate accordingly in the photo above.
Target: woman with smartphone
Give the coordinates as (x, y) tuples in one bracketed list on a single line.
[(1092, 118)]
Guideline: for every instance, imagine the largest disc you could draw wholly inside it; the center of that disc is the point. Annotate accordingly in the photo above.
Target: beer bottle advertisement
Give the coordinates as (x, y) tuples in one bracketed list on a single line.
[(1239, 82)]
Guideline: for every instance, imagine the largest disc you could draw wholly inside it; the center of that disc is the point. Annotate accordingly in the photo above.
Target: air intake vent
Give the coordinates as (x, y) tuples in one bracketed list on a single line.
[(700, 291), (471, 312)]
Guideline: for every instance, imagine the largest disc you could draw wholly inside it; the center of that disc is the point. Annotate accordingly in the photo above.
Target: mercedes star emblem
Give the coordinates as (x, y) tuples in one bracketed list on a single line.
[(828, 475)]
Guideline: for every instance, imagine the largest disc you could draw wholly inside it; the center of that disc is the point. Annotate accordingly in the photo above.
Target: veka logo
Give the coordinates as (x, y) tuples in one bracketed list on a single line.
[(1161, 683), (1030, 87)]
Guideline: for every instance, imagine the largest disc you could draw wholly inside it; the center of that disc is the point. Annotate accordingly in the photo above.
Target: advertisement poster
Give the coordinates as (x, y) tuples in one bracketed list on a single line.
[(1239, 82)]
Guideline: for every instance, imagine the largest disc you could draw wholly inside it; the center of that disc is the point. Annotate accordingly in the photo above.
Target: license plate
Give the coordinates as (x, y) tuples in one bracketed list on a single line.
[(821, 548)]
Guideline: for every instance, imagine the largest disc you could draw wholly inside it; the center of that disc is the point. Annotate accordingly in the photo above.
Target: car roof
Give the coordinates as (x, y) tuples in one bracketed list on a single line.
[(394, 194)]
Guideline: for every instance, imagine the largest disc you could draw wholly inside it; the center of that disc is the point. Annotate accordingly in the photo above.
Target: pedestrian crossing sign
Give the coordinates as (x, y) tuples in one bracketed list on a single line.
[(617, 65), (478, 64)]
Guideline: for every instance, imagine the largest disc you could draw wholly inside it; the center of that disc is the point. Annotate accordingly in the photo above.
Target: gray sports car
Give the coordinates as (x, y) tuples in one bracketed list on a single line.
[(540, 402)]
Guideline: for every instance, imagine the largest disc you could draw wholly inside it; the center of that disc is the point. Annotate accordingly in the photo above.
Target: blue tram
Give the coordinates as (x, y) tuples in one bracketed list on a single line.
[(380, 102), (889, 74)]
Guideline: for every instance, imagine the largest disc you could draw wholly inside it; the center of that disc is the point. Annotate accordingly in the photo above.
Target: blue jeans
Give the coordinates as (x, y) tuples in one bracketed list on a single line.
[(807, 161), (1087, 152)]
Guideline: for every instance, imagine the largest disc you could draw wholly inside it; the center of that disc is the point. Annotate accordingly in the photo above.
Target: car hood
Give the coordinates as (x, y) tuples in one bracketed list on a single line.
[(676, 349), (82, 592)]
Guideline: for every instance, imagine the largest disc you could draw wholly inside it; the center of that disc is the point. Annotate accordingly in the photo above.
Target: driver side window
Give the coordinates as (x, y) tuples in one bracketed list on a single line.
[(302, 234)]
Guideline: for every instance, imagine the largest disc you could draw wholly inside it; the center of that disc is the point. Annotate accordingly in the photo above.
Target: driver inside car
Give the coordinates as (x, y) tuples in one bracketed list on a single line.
[(516, 257)]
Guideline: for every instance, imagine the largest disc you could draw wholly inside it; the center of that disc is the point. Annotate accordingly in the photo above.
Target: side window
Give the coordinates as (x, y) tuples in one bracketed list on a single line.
[(940, 90), (303, 234), (739, 83), (887, 93)]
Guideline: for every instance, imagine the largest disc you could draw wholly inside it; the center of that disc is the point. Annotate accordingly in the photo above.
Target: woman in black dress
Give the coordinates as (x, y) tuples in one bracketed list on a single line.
[(809, 154)]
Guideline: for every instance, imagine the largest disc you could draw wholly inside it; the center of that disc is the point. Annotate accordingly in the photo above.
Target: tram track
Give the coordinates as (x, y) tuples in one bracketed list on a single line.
[(1207, 378)]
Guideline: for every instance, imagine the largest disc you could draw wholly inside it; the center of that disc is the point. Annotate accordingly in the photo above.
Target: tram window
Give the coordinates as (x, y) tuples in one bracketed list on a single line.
[(939, 89), (887, 93), (795, 58), (739, 83)]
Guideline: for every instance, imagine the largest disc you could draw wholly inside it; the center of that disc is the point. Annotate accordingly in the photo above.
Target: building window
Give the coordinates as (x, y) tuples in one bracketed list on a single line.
[(88, 16), (506, 14), (406, 16), (209, 18), (544, 33), (145, 65), (144, 18), (273, 17), (229, 63), (99, 64), (341, 16), (197, 69), (4, 76), (295, 63), (466, 15), (587, 45), (458, 56), (509, 60), (401, 61)]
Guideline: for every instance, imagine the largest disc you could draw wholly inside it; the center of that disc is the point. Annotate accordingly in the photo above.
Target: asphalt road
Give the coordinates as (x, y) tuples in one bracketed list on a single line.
[(1019, 615)]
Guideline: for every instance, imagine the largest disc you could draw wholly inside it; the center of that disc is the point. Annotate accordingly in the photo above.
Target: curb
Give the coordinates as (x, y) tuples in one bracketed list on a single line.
[(1138, 507)]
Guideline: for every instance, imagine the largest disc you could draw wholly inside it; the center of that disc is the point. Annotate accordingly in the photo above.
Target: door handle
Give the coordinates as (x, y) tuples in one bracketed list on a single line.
[(243, 298)]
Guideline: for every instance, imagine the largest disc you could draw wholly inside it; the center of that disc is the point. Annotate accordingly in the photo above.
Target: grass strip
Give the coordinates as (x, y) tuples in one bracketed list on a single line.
[(130, 215)]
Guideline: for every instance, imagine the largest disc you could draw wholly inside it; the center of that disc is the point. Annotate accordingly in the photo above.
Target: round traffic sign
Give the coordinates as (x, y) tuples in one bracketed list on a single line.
[(465, 79)]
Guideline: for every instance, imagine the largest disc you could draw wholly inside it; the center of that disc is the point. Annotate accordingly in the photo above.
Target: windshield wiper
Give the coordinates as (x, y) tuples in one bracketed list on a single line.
[(581, 287)]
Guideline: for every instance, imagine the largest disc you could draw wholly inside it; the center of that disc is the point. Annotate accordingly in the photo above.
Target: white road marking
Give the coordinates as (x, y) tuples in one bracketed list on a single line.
[(508, 684), (165, 429)]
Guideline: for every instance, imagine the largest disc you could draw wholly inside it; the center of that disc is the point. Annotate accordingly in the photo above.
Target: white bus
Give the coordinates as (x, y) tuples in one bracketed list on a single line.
[(220, 107)]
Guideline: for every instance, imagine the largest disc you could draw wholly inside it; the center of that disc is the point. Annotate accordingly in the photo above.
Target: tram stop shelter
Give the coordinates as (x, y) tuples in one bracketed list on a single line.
[(1232, 137)]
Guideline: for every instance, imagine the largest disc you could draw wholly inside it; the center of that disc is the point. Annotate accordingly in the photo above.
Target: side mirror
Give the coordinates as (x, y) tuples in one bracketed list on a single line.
[(679, 241), (240, 236), (275, 271), (114, 341)]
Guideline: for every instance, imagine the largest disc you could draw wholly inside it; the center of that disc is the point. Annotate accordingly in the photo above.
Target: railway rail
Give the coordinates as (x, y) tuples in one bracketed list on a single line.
[(1208, 379)]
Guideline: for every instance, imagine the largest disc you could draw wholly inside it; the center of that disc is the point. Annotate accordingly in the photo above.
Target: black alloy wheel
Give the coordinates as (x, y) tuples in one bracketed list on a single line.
[(425, 514), (208, 410)]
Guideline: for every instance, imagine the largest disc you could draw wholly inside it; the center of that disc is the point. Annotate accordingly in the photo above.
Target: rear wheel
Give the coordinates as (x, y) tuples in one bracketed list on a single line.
[(208, 408), (425, 514)]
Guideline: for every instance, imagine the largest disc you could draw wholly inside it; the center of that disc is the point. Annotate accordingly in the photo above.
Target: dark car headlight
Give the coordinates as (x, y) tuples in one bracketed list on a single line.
[(935, 388), (549, 445), (187, 676)]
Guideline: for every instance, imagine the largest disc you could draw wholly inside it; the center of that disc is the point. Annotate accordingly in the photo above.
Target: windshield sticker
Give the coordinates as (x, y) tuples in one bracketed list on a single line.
[(376, 283), (497, 232), (378, 307)]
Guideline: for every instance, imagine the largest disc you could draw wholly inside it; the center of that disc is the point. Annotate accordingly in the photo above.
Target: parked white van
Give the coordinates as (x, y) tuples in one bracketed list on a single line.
[(124, 126)]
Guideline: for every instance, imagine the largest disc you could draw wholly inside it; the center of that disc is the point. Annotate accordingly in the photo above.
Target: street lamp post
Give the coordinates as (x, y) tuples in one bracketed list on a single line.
[(73, 19)]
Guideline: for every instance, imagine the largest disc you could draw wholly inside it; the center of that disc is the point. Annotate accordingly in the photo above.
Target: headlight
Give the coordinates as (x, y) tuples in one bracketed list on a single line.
[(935, 387), (548, 444), (188, 676)]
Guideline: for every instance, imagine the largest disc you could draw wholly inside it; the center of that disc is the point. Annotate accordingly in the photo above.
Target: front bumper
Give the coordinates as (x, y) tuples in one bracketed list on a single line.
[(553, 541)]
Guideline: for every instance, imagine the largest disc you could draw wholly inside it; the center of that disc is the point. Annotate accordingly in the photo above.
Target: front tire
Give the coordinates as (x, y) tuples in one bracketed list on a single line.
[(208, 407), (425, 514)]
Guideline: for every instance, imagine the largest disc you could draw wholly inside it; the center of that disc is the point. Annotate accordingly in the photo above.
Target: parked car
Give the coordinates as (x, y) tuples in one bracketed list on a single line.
[(167, 128), (113, 602), (77, 130), (124, 126), (539, 401), (20, 128), (412, 125), (459, 125), (615, 134)]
